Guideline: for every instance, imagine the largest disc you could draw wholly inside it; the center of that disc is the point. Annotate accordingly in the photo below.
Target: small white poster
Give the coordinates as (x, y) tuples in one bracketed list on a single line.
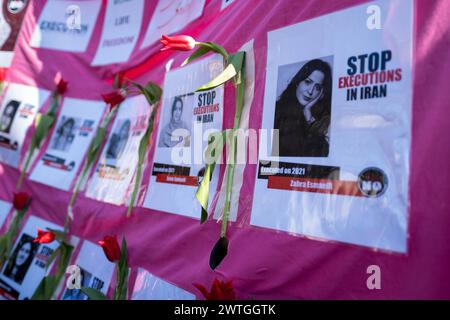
[(66, 25), (118, 162), (171, 16), (120, 31), (187, 119), (26, 266), (72, 134), (337, 166), (5, 208), (150, 287), (95, 271), (17, 112)]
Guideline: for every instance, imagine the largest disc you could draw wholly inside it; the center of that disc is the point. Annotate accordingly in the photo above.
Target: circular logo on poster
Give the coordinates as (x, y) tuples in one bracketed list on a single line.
[(15, 6), (372, 182)]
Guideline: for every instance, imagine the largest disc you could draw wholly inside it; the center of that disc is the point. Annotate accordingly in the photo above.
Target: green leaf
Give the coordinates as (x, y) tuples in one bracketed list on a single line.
[(201, 51), (94, 294), (53, 256), (45, 289)]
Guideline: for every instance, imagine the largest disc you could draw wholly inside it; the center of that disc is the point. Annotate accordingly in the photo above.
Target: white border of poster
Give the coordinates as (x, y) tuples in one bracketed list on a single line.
[(150, 287), (19, 107), (72, 134), (187, 119), (344, 141)]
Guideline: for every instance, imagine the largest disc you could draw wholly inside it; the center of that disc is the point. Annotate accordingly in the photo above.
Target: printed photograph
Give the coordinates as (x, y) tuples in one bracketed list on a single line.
[(176, 129), (65, 134), (8, 114)]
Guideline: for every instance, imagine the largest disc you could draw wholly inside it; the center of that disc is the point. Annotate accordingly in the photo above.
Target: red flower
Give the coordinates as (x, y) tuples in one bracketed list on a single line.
[(183, 43), (21, 200), (61, 87), (220, 290), (3, 74), (111, 248), (44, 236), (114, 98)]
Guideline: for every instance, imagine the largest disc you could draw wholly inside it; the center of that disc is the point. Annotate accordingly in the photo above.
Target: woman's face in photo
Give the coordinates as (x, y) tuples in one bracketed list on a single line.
[(310, 88), (67, 129), (23, 254), (177, 111)]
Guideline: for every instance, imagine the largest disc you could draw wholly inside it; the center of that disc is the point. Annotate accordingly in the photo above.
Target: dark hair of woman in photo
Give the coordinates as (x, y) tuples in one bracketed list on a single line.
[(21, 259), (302, 113)]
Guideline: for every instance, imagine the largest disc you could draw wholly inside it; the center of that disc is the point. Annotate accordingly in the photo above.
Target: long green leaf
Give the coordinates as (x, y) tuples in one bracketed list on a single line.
[(94, 294)]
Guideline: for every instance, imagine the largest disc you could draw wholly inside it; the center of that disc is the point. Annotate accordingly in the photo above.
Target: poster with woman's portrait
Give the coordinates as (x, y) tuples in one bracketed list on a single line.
[(334, 145), (187, 119), (149, 287), (118, 161), (95, 272), (12, 13), (70, 139), (18, 110), (25, 268), (5, 207)]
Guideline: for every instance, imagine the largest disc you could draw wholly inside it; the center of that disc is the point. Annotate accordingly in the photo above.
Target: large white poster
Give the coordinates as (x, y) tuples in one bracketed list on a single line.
[(66, 25), (118, 162), (26, 266), (339, 168), (187, 118), (171, 16), (5, 207), (17, 112), (150, 287), (72, 134), (120, 31), (95, 271)]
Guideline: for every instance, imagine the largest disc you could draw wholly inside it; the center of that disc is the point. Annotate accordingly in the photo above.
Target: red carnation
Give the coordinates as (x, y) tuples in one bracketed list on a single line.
[(220, 290), (114, 98), (61, 87), (111, 248), (21, 200), (44, 236), (182, 42)]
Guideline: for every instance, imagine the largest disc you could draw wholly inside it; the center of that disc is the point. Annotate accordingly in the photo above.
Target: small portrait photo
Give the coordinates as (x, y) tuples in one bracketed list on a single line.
[(21, 258), (65, 133), (176, 129), (77, 294), (118, 140), (7, 116), (15, 6), (303, 109)]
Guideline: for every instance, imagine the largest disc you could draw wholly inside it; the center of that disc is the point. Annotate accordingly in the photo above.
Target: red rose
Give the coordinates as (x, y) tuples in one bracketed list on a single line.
[(21, 200), (61, 87), (111, 248), (114, 98), (220, 290), (44, 236), (182, 42)]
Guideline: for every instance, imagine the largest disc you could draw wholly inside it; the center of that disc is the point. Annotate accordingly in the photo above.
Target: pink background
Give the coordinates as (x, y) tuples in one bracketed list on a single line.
[(262, 263)]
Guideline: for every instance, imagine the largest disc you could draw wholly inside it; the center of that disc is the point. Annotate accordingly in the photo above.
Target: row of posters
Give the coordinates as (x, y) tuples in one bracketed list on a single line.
[(68, 25), (27, 265), (335, 165)]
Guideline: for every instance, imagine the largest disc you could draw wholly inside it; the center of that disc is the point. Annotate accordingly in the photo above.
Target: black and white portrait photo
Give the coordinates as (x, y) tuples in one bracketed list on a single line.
[(7, 116), (175, 131), (303, 109), (65, 134), (21, 258), (119, 140)]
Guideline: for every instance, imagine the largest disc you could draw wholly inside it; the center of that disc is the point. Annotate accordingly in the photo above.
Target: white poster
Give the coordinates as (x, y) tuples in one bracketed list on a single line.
[(72, 134), (171, 16), (187, 119), (17, 112), (95, 270), (120, 31), (118, 162), (66, 25), (338, 167), (26, 267), (12, 13), (5, 207), (149, 287)]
